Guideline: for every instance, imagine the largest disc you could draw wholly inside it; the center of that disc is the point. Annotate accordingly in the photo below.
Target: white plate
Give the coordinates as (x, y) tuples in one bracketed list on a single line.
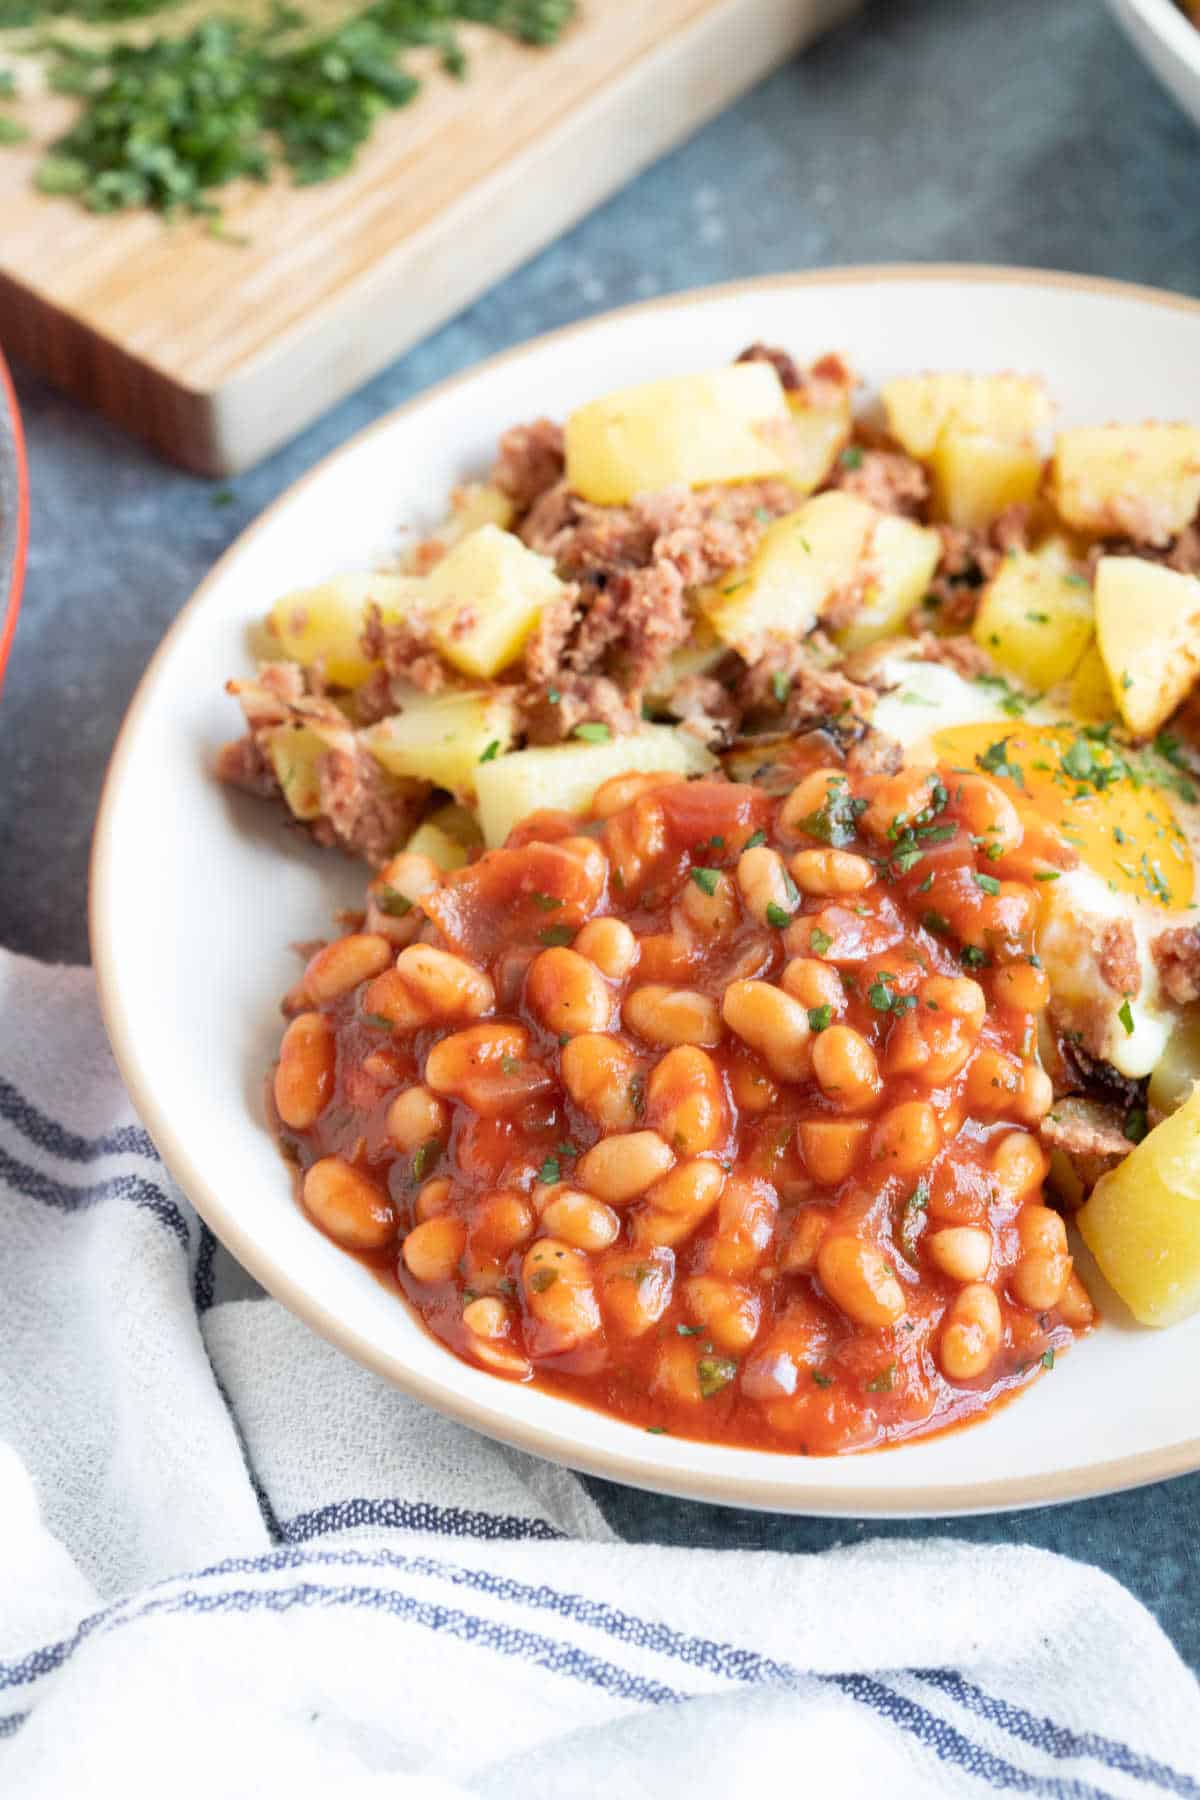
[(197, 892), (1169, 42)]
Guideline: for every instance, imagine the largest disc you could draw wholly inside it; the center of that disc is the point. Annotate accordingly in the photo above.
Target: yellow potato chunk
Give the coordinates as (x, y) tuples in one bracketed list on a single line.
[(325, 623), (565, 776), (1139, 481), (444, 737), (1178, 1068), (485, 598), (294, 751), (726, 424), (475, 504), (1142, 1221), (976, 476), (697, 657), (447, 837), (1010, 408), (900, 560), (1035, 618), (802, 560), (1148, 630), (1092, 698), (816, 435)]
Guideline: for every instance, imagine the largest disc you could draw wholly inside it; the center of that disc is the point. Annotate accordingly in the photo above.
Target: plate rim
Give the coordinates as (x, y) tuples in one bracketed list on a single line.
[(739, 1490)]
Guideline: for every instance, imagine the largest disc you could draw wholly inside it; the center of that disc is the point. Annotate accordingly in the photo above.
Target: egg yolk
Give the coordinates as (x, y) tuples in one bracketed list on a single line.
[(1094, 795)]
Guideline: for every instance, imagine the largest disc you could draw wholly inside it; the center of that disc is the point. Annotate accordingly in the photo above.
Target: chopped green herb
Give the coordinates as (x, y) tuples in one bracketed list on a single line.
[(510, 1065), (936, 922), (688, 1330), (1137, 1124), (541, 1279), (546, 902), (778, 916), (492, 751), (222, 496), (735, 586), (1125, 1014), (716, 843), (781, 686), (973, 957), (923, 887), (12, 131), (594, 732), (851, 457), (706, 879), (911, 1222), (994, 761), (425, 1157), (1048, 1359), (884, 1382), (820, 1018), (391, 901), (835, 821), (554, 936), (988, 883), (819, 941), (715, 1373), (754, 840), (637, 1095), (822, 1381), (550, 1170), (380, 1020), (1038, 618), (1047, 874), (553, 696)]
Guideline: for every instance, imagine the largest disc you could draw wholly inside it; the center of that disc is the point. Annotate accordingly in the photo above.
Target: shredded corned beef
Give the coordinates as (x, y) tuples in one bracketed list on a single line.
[(887, 479), (529, 460), (1177, 957), (364, 809)]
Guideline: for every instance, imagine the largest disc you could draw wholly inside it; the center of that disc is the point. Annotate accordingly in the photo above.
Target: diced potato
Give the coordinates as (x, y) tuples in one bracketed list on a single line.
[(565, 776), (697, 657), (975, 476), (1178, 1068), (802, 560), (1142, 1221), (443, 737), (485, 598), (294, 752), (447, 837), (1092, 698), (1011, 408), (816, 436), (325, 623), (902, 557), (1139, 481), (477, 503), (1035, 618), (1148, 630), (726, 424)]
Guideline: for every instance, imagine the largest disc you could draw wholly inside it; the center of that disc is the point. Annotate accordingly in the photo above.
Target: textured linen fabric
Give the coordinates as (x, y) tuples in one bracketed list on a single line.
[(233, 1563)]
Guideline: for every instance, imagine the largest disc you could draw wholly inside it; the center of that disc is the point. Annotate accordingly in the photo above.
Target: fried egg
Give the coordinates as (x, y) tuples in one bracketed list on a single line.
[(1132, 817)]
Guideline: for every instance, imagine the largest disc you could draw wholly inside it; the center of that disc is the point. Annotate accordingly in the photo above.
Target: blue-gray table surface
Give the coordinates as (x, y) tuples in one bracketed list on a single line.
[(1020, 131)]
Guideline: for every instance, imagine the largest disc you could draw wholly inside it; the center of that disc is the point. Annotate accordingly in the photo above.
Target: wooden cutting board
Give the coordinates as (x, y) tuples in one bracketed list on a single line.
[(215, 352)]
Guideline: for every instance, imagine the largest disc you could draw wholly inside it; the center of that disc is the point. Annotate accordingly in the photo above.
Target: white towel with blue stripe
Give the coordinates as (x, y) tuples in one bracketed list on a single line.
[(234, 1564)]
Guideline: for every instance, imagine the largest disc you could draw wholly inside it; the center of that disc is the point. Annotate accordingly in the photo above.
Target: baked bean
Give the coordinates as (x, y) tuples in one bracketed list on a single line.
[(764, 886), (1075, 1304), (709, 910), (676, 1378), (619, 1168), (811, 794), (746, 1217), (1041, 1273), (393, 896), (568, 993), (727, 1311), (303, 1080), (580, 1220), (560, 1297), (832, 1147), (1022, 987), (987, 812), (668, 956), (432, 1250), (590, 858), (637, 1291), (907, 1137), (844, 1064), (620, 791), (896, 803), (487, 1317), (414, 1117), (993, 1081), (609, 944), (666, 1016), (599, 1073), (963, 1252), (972, 1333), (443, 985), (684, 1100), (489, 1325), (433, 1199), (348, 1204), (677, 1204), (814, 983), (957, 995), (752, 1088), (804, 1240), (339, 967), (635, 841), (500, 1221), (486, 1066), (830, 872), (772, 1023), (859, 1280), (1019, 1164), (1035, 1094)]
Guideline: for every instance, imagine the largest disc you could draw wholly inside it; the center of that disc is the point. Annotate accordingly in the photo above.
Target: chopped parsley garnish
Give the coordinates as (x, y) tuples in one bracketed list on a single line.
[(492, 751), (657, 1431), (1137, 1124), (510, 1065), (754, 840), (688, 1330), (973, 957), (835, 821), (988, 883), (778, 916), (851, 457), (820, 1017), (391, 901), (425, 1157), (995, 761), (593, 732), (554, 936), (637, 1095), (936, 922), (781, 686), (715, 1373), (550, 1171), (1047, 874), (553, 696), (706, 879), (884, 1382), (819, 941), (911, 1223), (546, 902), (541, 1279), (379, 1019), (881, 997), (822, 1381), (1038, 618), (1125, 1014), (1048, 1359)]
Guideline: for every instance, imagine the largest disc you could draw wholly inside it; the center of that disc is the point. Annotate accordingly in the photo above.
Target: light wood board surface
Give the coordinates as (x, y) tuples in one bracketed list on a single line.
[(216, 352)]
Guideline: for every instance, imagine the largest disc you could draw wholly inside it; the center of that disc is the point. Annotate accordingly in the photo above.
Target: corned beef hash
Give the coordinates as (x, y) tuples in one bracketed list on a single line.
[(782, 817)]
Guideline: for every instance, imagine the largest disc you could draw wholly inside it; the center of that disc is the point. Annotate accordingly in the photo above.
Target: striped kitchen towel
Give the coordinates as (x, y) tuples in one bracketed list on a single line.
[(232, 1563)]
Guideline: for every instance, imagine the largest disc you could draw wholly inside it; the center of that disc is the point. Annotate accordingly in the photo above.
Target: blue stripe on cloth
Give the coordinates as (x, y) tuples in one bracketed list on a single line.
[(11, 1723), (1059, 1740), (35, 1185), (952, 1746), (48, 1134), (727, 1660), (202, 1279), (553, 1654), (411, 1515)]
